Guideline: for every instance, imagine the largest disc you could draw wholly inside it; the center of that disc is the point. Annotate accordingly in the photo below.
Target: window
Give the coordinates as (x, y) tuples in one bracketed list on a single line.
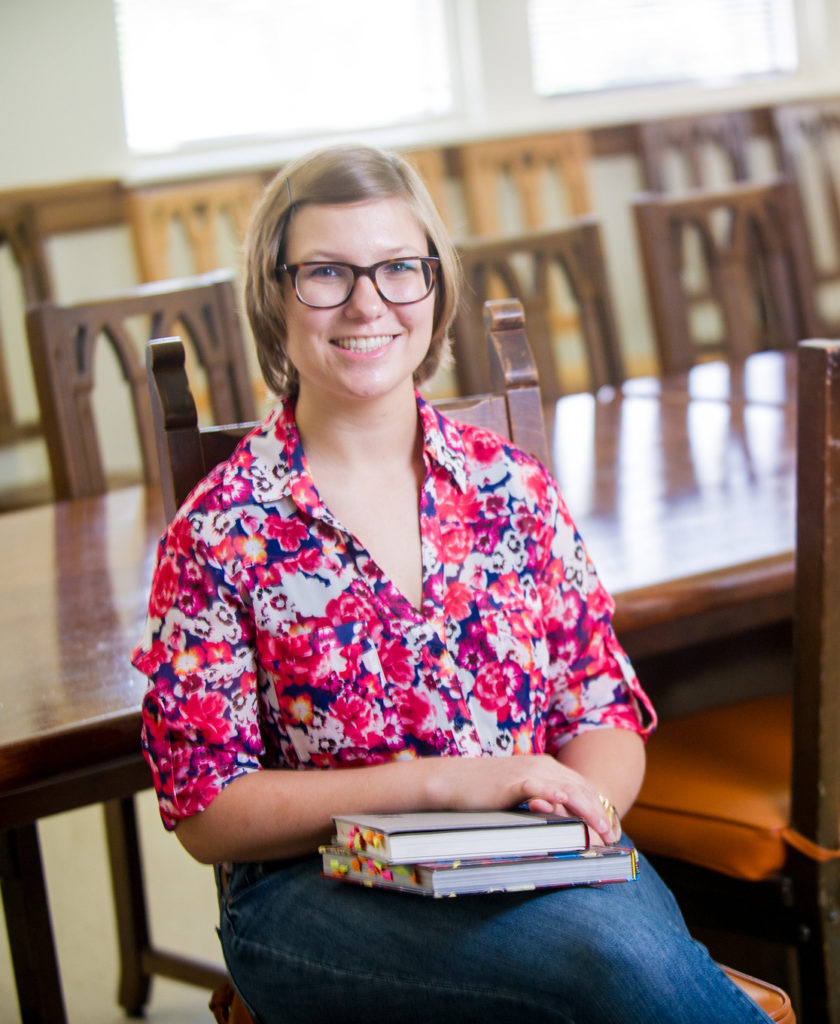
[(198, 71), (608, 44)]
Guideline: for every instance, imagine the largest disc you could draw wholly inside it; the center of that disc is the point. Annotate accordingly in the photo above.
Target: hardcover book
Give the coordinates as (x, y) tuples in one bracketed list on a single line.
[(452, 835), (597, 865)]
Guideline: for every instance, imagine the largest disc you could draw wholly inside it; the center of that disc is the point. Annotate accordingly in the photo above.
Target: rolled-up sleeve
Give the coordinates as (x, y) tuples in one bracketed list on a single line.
[(200, 713)]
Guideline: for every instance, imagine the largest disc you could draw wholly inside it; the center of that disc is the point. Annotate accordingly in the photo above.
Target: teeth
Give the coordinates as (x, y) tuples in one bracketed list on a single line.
[(363, 344)]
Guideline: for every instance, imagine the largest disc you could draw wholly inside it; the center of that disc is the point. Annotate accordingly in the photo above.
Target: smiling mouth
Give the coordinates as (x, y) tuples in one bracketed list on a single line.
[(363, 344)]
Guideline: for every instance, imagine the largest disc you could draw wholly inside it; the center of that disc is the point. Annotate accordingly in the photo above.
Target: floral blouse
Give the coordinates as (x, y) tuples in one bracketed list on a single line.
[(274, 640)]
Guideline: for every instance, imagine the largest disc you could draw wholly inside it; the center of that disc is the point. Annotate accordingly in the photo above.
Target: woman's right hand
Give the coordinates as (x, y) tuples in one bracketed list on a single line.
[(500, 783)]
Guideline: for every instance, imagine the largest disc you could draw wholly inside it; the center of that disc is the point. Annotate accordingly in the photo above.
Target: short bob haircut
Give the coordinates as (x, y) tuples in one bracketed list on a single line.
[(337, 174)]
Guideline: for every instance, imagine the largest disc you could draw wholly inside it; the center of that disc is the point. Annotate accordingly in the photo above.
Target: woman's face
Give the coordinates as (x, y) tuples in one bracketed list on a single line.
[(367, 348)]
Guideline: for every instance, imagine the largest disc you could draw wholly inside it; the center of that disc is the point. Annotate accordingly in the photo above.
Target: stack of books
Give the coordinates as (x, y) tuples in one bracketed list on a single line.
[(452, 853)]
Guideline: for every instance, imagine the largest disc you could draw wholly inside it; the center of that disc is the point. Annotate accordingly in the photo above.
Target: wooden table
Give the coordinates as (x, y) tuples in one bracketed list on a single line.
[(74, 588), (686, 506), (765, 378)]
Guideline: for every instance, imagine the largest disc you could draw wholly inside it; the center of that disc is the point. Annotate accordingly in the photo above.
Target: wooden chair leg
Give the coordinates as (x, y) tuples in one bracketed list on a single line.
[(818, 951), (28, 923), (139, 959), (129, 903), (227, 1007)]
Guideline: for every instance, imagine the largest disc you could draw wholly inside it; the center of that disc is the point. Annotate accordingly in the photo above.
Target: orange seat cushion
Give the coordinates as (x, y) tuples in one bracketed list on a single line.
[(717, 789)]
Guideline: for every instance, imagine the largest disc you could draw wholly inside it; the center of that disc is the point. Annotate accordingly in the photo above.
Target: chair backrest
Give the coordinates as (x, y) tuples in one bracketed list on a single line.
[(753, 251), (703, 151), (433, 164), (808, 141), (188, 452), (63, 342), (204, 211), (815, 800), (20, 230), (549, 271), (540, 180)]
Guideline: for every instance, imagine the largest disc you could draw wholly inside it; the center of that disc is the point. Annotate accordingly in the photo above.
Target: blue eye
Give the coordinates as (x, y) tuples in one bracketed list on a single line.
[(324, 271), (398, 267)]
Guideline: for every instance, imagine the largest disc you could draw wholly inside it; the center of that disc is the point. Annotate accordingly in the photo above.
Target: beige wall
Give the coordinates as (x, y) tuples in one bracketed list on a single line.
[(61, 114)]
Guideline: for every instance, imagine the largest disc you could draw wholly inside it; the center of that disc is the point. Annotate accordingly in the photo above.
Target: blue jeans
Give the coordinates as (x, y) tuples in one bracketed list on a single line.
[(301, 948)]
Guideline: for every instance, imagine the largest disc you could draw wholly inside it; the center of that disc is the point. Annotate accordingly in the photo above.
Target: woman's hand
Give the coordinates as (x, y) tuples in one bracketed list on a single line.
[(538, 780)]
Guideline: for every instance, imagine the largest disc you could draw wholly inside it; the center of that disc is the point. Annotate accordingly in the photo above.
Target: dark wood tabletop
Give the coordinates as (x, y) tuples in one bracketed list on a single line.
[(686, 505), (74, 585)]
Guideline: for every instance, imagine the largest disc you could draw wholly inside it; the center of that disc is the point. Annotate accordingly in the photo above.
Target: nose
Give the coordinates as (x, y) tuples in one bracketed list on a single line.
[(365, 301)]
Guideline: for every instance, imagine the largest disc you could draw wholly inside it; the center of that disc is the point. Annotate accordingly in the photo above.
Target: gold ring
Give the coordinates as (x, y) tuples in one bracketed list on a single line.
[(612, 814)]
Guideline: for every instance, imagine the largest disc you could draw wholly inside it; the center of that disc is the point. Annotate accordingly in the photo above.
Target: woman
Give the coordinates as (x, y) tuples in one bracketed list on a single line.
[(369, 608)]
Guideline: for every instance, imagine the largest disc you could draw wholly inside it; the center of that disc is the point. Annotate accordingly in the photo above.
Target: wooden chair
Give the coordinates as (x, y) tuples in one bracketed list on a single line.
[(204, 211), (526, 183), (704, 151), (63, 342), (755, 256), (538, 180), (31, 219), (20, 230), (808, 141), (543, 269), (434, 165), (740, 808), (188, 452)]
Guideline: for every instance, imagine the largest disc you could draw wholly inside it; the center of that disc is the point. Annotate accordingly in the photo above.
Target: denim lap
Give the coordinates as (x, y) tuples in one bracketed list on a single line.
[(302, 948)]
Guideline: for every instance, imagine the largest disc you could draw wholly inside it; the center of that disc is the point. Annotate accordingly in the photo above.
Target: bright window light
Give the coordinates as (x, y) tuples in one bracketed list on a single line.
[(613, 44), (198, 71)]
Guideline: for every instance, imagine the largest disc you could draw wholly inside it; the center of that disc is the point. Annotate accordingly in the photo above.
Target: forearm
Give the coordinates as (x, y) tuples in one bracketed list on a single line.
[(611, 760), (269, 815)]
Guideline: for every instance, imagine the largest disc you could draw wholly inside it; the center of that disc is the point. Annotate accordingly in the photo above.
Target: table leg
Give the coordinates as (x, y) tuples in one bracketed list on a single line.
[(28, 923), (129, 903), (139, 959)]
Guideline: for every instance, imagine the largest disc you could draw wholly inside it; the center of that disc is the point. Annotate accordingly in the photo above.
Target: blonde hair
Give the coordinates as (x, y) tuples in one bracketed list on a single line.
[(337, 174)]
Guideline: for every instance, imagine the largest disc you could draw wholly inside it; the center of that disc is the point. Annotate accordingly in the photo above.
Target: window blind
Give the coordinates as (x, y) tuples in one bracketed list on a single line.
[(203, 70), (612, 44)]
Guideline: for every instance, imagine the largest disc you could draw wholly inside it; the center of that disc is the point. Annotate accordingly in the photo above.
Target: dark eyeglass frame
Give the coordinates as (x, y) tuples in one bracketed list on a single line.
[(432, 262)]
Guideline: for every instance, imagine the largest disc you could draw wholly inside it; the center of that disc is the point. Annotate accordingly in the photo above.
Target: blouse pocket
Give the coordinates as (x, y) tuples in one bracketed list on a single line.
[(332, 696)]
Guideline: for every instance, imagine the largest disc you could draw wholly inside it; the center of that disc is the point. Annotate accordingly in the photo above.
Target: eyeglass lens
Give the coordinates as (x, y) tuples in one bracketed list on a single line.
[(330, 284)]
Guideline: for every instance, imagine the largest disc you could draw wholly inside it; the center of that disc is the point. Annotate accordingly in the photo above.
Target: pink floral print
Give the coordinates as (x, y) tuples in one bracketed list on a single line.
[(273, 639)]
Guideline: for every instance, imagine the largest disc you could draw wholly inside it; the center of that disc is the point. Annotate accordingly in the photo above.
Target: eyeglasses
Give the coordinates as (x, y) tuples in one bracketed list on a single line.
[(326, 285)]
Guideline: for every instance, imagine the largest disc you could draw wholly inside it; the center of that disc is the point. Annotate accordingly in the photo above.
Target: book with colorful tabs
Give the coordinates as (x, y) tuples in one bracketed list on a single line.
[(596, 865), (418, 836)]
